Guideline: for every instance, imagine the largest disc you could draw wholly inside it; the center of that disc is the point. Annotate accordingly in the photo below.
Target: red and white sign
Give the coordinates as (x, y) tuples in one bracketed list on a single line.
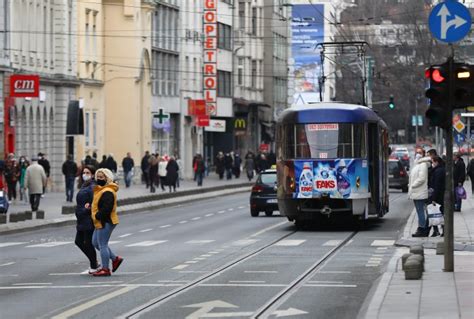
[(197, 107), (323, 127), (24, 85), (264, 147), (202, 120), (325, 184), (210, 56), (216, 126)]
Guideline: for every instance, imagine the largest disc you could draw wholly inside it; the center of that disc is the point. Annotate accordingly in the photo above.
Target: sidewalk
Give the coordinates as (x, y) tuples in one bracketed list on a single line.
[(438, 294), (133, 199)]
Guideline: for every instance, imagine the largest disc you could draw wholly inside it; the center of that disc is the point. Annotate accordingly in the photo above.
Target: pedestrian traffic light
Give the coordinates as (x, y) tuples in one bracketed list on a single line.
[(463, 85), (391, 104), (439, 112)]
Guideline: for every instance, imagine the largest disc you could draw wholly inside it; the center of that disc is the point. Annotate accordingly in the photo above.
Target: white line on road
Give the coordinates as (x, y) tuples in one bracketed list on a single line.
[(11, 244), (230, 209), (334, 272), (173, 281), (247, 281), (261, 272), (330, 285), (147, 243), (243, 285), (209, 215), (104, 282), (165, 226), (145, 230), (241, 207), (221, 212), (196, 218), (183, 222), (383, 243), (324, 282), (199, 258), (51, 244), (33, 283), (244, 242), (7, 264), (290, 242), (180, 267), (205, 255), (333, 242), (214, 252), (268, 228), (92, 303), (204, 241), (87, 273), (191, 261), (125, 235)]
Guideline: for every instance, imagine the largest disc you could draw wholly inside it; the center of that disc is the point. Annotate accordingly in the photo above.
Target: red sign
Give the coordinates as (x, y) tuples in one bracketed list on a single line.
[(197, 107), (264, 147), (24, 85), (210, 55), (202, 120)]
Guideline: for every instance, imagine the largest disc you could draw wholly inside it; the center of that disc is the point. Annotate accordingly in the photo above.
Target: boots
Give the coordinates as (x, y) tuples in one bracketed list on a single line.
[(421, 232), (435, 232)]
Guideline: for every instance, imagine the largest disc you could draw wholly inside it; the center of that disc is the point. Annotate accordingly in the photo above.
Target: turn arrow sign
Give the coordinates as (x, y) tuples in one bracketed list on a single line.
[(288, 312)]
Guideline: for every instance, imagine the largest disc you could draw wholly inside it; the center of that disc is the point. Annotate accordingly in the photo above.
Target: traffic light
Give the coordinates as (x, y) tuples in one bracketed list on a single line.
[(438, 113), (463, 85), (391, 104)]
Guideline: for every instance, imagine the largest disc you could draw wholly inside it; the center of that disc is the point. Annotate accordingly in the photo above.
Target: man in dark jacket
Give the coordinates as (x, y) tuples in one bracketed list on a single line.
[(111, 164), (127, 165), (459, 176), (43, 161), (228, 163), (436, 185), (69, 171), (145, 166)]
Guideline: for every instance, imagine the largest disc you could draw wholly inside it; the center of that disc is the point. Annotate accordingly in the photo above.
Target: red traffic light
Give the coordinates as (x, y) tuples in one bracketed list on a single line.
[(436, 76)]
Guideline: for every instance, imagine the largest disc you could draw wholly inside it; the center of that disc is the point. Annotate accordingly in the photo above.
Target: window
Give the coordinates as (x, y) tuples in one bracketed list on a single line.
[(242, 15), (240, 72), (224, 36), (254, 21), (87, 129), (165, 73), (254, 74), (224, 84), (94, 129)]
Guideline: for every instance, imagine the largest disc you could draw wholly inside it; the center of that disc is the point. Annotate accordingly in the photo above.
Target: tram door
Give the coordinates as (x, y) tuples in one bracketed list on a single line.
[(374, 168)]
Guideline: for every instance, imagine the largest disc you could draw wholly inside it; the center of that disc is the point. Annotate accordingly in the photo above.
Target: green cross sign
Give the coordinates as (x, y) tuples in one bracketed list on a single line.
[(161, 116)]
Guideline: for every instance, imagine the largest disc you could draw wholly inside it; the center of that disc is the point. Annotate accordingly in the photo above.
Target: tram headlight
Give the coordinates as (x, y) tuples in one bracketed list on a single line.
[(358, 182)]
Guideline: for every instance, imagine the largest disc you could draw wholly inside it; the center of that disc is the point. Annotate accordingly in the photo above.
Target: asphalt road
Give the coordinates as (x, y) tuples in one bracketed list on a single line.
[(200, 260)]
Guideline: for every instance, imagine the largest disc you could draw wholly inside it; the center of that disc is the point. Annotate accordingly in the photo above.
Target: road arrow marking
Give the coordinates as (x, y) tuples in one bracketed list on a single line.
[(445, 24), (208, 306), (289, 312)]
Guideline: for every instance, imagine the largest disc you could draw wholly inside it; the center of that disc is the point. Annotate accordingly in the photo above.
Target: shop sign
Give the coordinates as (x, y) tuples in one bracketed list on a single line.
[(210, 56), (264, 148), (216, 126), (24, 85), (202, 120), (240, 124), (197, 107)]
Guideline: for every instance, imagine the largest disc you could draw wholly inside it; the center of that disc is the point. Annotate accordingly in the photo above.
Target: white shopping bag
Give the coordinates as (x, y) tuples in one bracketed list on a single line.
[(435, 216)]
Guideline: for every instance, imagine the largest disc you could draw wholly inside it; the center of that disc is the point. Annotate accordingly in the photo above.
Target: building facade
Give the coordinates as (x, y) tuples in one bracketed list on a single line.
[(4, 68)]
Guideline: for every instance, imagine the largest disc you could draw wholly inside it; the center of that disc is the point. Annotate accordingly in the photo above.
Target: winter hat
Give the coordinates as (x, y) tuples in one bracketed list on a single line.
[(108, 174)]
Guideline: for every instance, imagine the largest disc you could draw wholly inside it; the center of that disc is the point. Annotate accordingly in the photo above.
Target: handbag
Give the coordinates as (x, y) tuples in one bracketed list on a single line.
[(435, 216), (460, 193)]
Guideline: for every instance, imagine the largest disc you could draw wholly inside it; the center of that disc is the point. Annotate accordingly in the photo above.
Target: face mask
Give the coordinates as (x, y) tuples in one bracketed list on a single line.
[(86, 177), (418, 156), (22, 160), (101, 182)]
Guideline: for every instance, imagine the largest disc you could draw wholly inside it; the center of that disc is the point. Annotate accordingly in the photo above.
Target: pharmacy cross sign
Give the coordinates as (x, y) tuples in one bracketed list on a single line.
[(161, 116)]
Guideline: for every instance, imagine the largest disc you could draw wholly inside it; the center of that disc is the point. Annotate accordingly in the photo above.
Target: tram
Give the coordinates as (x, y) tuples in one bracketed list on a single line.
[(332, 160)]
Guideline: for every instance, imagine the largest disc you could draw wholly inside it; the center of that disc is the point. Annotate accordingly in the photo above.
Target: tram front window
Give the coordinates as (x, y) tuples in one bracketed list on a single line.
[(327, 140)]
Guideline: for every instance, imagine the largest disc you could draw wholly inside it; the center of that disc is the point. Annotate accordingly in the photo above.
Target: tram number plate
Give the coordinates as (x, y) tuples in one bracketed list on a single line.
[(272, 201)]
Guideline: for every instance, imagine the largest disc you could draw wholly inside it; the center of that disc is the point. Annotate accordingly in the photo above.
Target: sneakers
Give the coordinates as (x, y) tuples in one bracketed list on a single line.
[(103, 272), (92, 271), (116, 263), (421, 232)]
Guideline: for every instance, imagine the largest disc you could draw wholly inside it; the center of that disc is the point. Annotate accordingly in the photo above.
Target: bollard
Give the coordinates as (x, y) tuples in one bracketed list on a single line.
[(20, 216), (440, 248), (413, 268), (13, 218), (40, 214), (3, 218), (421, 259), (68, 210), (28, 215), (417, 249), (404, 259)]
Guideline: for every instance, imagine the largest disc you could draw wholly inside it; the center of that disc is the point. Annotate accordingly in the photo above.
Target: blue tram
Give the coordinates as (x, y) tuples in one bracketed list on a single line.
[(332, 160)]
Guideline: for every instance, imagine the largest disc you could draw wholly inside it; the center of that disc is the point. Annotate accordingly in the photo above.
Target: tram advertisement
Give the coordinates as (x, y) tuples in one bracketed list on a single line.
[(339, 178)]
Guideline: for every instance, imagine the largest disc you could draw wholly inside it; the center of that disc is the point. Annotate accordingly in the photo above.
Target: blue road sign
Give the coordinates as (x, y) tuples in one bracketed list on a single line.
[(459, 138), (449, 21)]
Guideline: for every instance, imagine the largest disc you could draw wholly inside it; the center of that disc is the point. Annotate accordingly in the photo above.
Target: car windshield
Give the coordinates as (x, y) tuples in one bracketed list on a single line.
[(268, 179)]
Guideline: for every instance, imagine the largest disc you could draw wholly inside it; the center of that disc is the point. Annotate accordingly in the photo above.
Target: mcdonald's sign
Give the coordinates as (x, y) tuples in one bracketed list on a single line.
[(240, 123)]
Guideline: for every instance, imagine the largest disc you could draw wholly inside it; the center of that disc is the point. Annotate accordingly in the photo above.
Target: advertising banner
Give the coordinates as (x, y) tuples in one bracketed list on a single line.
[(339, 178), (307, 31), (22, 85)]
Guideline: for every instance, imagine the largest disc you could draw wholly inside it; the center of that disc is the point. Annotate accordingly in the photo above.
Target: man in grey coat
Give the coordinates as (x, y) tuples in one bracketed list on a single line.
[(35, 180)]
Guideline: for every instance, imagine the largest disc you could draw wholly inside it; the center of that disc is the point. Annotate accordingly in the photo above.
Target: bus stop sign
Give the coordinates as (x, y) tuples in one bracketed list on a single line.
[(449, 21)]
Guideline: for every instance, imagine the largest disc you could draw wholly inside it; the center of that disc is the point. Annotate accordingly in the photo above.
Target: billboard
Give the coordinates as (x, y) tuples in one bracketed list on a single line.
[(307, 31)]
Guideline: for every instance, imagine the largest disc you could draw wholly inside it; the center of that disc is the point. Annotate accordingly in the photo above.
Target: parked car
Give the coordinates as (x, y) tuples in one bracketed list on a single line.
[(397, 175), (264, 193), (402, 154)]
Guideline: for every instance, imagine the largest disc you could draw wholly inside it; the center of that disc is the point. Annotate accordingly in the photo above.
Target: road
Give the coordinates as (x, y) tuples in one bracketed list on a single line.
[(204, 259)]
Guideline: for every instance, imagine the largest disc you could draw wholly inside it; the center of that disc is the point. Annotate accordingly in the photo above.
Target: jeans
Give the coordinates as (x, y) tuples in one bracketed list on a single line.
[(84, 242), (128, 178), (70, 188), (228, 172), (35, 201), (199, 177), (421, 212), (11, 190), (100, 240)]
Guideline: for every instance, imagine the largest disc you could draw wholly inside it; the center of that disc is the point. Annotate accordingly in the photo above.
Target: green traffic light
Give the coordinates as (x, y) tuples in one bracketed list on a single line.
[(391, 104)]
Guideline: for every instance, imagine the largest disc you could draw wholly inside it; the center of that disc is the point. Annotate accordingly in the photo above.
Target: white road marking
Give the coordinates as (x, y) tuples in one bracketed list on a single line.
[(241, 207), (214, 252), (243, 285), (114, 242), (221, 212), (205, 255), (199, 258), (324, 282), (125, 235), (209, 215), (8, 275), (247, 281), (165, 226), (290, 242), (146, 230), (183, 222), (196, 218), (230, 209), (330, 285), (191, 261), (204, 241), (244, 242), (375, 259), (92, 303), (147, 243), (86, 272), (382, 248), (334, 272), (173, 281), (194, 271), (179, 267), (261, 272), (104, 282), (372, 265), (51, 244), (268, 228), (383, 243), (333, 242), (88, 286), (7, 264), (11, 244), (33, 283)]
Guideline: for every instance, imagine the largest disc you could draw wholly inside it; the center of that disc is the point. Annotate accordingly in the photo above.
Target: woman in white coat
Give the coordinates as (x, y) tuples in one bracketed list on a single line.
[(418, 190)]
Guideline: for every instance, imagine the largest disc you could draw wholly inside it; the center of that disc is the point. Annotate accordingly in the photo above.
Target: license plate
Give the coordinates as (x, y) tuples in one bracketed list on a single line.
[(272, 201)]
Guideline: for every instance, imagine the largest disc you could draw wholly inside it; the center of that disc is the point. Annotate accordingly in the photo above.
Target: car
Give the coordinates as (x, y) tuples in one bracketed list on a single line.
[(402, 154), (264, 193), (397, 175)]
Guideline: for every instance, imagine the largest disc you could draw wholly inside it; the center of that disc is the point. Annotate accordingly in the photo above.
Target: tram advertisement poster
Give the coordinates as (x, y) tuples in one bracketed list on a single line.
[(339, 178)]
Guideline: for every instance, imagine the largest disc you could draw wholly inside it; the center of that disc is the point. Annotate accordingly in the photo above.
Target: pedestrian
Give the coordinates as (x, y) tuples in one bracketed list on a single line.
[(162, 171), (470, 173), (194, 167), (199, 169), (128, 164), (12, 174), (2, 169), (103, 163), (208, 166), (105, 219), (180, 164), (220, 168), (84, 225), (228, 164), (145, 166), (459, 176), (23, 166), (436, 186), (418, 190), (35, 179), (43, 161), (69, 171), (111, 164), (172, 169), (153, 172), (249, 166), (236, 166)]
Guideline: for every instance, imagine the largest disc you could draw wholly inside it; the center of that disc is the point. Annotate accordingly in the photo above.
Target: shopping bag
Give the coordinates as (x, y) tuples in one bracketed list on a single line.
[(460, 193), (435, 216)]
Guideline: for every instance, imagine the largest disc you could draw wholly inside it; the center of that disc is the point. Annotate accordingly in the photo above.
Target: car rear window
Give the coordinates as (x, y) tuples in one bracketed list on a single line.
[(268, 179), (393, 167)]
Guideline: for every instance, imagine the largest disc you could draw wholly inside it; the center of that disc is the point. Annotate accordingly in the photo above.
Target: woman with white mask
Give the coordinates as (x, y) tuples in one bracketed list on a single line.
[(418, 190)]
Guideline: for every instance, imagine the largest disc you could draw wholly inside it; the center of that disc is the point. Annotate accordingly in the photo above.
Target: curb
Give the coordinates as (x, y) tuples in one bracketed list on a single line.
[(136, 207)]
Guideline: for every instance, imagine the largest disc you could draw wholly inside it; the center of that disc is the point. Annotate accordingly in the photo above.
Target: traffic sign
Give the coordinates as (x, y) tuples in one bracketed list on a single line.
[(449, 21), (459, 126), (459, 138)]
